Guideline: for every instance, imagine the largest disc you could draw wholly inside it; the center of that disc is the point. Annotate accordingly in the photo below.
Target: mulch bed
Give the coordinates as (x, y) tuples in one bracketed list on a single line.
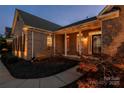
[(111, 71), (47, 67)]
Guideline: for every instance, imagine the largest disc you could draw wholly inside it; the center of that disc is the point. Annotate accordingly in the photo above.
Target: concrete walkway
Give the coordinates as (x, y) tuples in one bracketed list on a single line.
[(55, 81)]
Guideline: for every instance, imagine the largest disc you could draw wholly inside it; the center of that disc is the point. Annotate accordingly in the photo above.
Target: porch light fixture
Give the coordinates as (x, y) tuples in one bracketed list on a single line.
[(67, 37), (84, 40)]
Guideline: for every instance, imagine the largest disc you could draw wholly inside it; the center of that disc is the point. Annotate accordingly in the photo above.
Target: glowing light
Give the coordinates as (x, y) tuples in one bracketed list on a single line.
[(19, 54), (4, 49), (84, 39), (15, 53), (49, 41), (25, 53), (25, 28)]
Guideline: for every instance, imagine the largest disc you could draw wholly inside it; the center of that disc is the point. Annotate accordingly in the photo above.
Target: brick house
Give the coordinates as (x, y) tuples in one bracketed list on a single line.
[(34, 36)]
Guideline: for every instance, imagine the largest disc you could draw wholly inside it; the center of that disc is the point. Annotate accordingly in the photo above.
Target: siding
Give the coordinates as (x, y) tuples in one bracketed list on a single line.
[(59, 44), (40, 44)]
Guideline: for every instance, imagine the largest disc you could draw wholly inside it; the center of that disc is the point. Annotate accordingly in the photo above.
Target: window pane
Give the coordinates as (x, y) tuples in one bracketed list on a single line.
[(96, 47), (49, 41)]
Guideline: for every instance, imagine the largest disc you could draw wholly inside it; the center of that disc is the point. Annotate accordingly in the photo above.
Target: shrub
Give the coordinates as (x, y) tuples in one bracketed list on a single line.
[(3, 58), (12, 60), (9, 59)]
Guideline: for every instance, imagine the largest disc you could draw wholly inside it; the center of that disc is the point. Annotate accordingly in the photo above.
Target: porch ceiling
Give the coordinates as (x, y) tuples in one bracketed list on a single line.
[(90, 26)]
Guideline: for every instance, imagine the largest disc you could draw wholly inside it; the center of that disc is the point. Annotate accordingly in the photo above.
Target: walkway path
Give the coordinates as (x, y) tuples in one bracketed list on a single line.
[(55, 81)]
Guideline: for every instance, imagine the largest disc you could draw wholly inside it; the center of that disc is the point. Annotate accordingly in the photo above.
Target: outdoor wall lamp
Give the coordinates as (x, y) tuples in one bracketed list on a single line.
[(84, 40)]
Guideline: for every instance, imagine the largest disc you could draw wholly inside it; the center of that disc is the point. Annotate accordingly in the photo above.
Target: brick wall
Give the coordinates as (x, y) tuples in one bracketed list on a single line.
[(113, 33)]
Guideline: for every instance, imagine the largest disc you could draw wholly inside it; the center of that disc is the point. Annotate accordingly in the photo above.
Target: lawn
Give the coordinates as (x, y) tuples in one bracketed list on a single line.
[(22, 69)]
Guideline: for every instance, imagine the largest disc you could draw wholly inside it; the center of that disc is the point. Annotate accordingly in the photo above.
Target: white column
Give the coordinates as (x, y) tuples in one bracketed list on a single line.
[(32, 44), (54, 40), (65, 44), (80, 47)]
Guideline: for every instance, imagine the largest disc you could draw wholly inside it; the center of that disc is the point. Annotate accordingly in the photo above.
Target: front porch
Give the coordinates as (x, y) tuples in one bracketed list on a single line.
[(78, 40)]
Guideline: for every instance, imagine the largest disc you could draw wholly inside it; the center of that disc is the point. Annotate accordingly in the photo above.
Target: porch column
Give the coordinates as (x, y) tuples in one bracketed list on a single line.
[(65, 44), (54, 40), (80, 47), (32, 44)]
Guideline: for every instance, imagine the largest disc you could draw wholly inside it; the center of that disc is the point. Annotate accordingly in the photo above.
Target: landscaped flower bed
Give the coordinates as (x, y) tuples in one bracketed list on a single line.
[(90, 83), (107, 73), (47, 67), (87, 67), (102, 74)]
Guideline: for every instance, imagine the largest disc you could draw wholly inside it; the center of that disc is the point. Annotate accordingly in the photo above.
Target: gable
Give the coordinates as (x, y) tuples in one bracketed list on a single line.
[(37, 22)]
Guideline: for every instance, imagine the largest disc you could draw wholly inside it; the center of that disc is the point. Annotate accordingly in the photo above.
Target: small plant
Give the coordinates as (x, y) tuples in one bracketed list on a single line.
[(95, 71), (89, 83), (88, 67)]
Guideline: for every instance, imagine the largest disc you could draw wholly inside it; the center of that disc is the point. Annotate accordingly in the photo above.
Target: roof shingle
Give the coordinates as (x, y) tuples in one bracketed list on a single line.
[(37, 22), (80, 22)]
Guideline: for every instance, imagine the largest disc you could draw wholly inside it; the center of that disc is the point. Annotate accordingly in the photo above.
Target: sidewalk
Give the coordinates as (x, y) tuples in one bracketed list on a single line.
[(55, 81)]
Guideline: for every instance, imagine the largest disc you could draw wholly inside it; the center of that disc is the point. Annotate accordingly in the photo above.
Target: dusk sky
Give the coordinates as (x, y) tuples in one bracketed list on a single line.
[(62, 15)]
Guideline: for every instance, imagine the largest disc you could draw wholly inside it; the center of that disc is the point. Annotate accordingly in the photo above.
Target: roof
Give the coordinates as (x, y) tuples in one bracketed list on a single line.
[(38, 22), (108, 9), (80, 22), (34, 21)]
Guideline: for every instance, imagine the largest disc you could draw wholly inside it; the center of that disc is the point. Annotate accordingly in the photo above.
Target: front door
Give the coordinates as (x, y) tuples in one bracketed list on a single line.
[(96, 44)]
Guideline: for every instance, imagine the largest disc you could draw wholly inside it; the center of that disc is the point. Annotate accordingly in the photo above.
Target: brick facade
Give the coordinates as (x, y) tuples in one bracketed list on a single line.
[(113, 33)]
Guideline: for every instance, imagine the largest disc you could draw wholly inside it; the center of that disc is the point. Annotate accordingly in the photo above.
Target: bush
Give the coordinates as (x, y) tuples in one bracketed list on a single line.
[(9, 59), (20, 68), (12, 60), (3, 58)]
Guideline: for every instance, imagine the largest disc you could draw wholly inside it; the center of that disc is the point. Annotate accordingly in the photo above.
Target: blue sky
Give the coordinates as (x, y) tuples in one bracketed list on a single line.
[(62, 15)]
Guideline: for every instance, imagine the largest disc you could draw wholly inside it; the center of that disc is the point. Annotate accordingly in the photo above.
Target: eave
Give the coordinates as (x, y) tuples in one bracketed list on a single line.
[(110, 15), (92, 25)]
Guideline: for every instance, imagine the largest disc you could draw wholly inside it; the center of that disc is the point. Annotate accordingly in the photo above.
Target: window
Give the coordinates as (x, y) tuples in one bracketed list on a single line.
[(49, 41)]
